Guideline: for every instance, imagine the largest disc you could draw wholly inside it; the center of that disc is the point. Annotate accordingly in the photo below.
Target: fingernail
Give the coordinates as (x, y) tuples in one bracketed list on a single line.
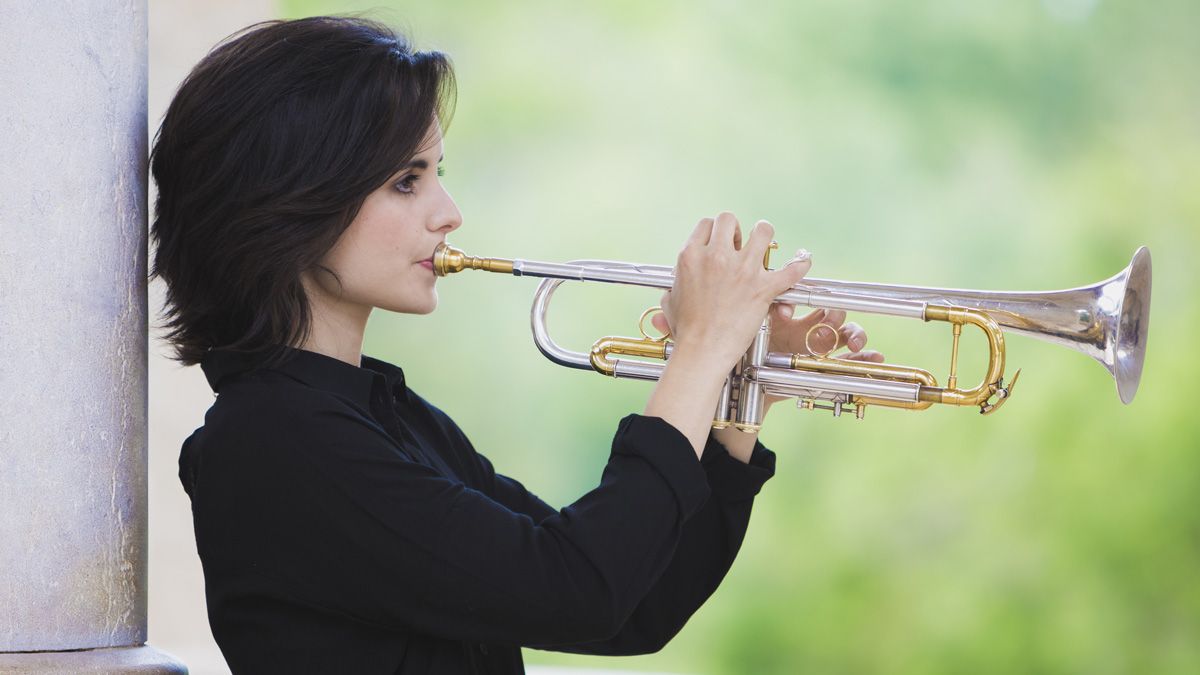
[(802, 255), (856, 344), (786, 311)]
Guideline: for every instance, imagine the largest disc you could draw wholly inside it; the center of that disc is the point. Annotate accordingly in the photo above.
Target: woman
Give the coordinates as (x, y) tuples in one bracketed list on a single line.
[(344, 523)]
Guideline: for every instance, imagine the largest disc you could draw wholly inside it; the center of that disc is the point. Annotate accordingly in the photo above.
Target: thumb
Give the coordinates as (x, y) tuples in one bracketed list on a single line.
[(793, 271)]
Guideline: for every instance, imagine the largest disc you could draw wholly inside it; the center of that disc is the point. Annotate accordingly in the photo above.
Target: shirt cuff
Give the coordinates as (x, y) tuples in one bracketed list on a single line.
[(729, 478), (670, 453)]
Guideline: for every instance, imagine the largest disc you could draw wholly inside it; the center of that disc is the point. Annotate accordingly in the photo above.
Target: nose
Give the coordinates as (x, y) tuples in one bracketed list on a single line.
[(447, 218)]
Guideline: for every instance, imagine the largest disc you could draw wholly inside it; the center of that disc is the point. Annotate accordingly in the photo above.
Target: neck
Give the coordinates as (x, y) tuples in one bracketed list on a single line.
[(337, 328)]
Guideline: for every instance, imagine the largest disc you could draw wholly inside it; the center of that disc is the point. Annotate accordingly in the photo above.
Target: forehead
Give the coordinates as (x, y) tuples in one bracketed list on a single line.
[(433, 139)]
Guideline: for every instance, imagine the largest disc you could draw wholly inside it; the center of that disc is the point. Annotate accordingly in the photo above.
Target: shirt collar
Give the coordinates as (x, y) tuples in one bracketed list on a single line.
[(311, 368)]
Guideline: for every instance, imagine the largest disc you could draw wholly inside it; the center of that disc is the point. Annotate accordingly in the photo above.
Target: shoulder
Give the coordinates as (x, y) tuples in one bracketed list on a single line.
[(268, 413), (269, 400)]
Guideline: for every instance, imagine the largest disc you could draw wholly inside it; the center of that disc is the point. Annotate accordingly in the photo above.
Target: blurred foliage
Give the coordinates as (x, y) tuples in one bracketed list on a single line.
[(1004, 145)]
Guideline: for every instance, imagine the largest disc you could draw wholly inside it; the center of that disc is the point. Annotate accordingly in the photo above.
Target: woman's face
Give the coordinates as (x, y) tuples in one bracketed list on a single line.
[(384, 257)]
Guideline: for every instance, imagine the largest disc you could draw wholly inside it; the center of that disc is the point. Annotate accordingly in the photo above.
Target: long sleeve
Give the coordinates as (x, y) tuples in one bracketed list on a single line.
[(345, 524), (328, 512), (707, 547)]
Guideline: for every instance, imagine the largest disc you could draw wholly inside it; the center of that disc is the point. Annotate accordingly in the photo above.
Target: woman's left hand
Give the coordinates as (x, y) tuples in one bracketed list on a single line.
[(788, 334)]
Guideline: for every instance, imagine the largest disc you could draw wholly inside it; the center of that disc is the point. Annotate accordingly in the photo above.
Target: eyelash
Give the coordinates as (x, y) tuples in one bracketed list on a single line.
[(410, 179)]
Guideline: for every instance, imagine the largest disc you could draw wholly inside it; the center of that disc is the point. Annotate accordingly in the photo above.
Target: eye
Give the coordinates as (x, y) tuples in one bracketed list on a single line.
[(405, 185)]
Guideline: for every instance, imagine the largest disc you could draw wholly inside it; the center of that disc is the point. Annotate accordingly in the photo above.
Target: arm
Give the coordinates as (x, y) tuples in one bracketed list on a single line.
[(348, 525), (711, 540)]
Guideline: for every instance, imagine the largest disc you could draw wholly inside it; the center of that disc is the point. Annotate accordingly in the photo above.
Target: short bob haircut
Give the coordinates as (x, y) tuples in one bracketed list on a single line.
[(264, 158)]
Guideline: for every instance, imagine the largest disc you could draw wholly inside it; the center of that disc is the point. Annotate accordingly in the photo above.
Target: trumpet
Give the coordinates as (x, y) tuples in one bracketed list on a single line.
[(1108, 321)]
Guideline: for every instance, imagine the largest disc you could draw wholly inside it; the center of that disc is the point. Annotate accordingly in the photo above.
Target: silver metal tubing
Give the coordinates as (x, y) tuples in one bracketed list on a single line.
[(541, 336), (750, 392), (818, 385), (654, 276), (722, 415), (631, 369), (1109, 321)]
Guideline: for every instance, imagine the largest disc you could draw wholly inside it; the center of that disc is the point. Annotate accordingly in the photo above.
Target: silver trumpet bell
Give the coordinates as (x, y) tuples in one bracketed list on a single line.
[(1108, 321)]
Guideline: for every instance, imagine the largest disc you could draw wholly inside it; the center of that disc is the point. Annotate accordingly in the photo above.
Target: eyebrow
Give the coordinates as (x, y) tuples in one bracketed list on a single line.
[(421, 164)]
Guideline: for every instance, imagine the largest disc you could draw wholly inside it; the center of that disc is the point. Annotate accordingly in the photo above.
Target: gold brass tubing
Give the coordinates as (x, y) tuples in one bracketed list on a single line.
[(903, 405), (995, 370), (774, 246), (650, 349), (878, 371), (952, 381), (448, 260)]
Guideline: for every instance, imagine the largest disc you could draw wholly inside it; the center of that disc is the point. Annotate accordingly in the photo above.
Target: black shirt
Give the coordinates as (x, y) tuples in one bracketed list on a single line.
[(346, 525)]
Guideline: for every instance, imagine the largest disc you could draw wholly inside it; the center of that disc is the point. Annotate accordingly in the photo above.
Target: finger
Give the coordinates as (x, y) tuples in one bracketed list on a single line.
[(867, 355), (813, 318), (789, 335), (760, 240), (662, 320), (780, 316), (834, 317), (853, 336), (660, 323), (791, 273), (822, 340), (702, 233), (723, 229)]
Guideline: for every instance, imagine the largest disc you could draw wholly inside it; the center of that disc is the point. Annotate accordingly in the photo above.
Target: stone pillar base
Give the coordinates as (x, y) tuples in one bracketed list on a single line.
[(144, 660)]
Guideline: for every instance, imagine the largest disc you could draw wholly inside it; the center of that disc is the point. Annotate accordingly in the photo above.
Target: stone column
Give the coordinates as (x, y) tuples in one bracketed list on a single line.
[(73, 339)]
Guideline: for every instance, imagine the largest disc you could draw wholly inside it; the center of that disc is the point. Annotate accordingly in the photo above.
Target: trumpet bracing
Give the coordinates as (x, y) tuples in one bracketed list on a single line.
[(1108, 321)]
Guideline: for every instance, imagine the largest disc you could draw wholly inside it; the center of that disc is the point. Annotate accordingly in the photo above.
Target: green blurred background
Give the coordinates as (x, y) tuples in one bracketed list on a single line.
[(1003, 145)]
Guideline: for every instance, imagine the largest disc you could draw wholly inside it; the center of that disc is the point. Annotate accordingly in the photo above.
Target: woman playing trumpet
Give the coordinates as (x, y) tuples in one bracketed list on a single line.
[(345, 523)]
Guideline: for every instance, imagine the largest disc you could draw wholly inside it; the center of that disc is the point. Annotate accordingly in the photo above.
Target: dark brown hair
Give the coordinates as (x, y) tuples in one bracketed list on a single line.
[(265, 156)]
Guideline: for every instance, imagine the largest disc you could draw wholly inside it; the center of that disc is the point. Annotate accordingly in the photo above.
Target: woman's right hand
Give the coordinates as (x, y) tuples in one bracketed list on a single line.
[(722, 292), (719, 299)]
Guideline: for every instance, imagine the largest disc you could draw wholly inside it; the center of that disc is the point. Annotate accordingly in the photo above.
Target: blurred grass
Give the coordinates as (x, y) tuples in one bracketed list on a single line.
[(980, 145)]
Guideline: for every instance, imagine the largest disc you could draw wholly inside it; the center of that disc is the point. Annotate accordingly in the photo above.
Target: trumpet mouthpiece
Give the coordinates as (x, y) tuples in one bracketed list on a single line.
[(448, 260)]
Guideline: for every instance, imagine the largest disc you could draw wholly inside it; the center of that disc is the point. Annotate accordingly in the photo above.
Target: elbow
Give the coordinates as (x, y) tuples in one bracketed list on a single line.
[(616, 632), (586, 618), (591, 624)]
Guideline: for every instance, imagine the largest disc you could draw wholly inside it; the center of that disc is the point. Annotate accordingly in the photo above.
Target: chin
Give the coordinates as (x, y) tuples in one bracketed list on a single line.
[(422, 306)]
